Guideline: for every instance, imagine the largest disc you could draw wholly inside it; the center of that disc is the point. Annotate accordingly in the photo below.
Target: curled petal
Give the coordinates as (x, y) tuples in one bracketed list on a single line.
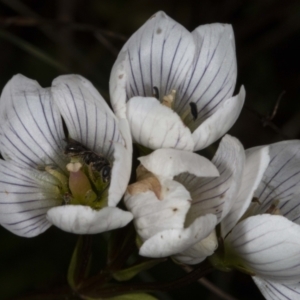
[(26, 196), (84, 220), (152, 215), (217, 195), (173, 241), (257, 161), (219, 122), (279, 291), (211, 79), (154, 125), (88, 117), (168, 163), (31, 130), (269, 246), (282, 177)]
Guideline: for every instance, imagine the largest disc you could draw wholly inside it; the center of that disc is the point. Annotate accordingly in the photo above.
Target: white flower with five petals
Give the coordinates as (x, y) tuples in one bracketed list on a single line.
[(180, 197), (37, 177), (174, 86), (262, 237)]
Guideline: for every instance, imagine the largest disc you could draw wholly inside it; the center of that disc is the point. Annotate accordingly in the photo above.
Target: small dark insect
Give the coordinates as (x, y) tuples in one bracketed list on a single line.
[(156, 92), (89, 157), (194, 110)]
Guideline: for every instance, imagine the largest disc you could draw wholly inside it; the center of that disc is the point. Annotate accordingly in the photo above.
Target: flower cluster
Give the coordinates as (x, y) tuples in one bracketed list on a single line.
[(66, 159)]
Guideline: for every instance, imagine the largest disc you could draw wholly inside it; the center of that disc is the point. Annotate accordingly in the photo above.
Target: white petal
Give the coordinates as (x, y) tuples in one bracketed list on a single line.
[(269, 246), (291, 209), (198, 252), (277, 291), (219, 122), (154, 125), (84, 220), (217, 195), (281, 180), (173, 241), (160, 54), (26, 196), (117, 85), (171, 162), (152, 215), (256, 164), (31, 130), (88, 117), (211, 80), (121, 170)]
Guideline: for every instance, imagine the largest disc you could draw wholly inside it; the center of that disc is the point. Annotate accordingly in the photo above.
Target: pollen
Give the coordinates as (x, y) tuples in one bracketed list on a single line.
[(169, 99)]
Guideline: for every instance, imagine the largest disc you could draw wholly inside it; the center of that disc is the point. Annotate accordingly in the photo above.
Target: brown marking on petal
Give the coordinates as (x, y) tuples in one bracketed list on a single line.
[(121, 76), (6, 192), (273, 209), (159, 31), (175, 209), (222, 195), (146, 182), (255, 200)]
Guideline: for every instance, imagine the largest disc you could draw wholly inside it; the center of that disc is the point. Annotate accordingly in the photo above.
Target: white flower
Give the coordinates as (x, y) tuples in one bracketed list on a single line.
[(180, 197), (175, 86), (37, 176), (266, 241)]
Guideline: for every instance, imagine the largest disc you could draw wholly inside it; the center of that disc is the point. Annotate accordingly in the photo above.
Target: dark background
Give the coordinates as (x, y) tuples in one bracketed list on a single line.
[(44, 39)]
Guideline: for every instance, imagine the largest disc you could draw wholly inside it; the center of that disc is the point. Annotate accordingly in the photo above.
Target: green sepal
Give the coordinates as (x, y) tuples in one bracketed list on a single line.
[(127, 274), (80, 261)]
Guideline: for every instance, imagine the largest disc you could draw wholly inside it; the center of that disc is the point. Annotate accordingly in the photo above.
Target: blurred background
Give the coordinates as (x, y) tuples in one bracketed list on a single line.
[(44, 39)]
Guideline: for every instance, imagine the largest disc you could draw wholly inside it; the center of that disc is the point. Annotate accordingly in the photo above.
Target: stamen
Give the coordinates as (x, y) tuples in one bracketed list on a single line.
[(169, 99), (155, 92), (59, 176), (273, 209), (191, 110), (194, 110)]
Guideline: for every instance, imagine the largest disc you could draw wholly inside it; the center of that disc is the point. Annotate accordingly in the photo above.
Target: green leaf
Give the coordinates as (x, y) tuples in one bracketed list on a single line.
[(129, 273), (80, 261)]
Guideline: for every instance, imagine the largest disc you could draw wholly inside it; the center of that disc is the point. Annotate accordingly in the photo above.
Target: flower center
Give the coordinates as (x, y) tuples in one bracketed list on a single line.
[(88, 179), (168, 100)]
